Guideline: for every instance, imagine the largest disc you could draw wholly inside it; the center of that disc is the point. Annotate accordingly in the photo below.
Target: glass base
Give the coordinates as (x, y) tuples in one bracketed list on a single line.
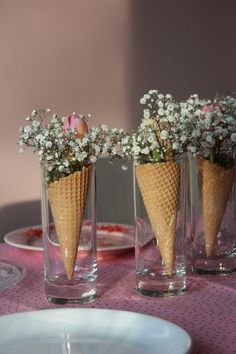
[(158, 293), (10, 274), (162, 287), (60, 301), (217, 266), (78, 291)]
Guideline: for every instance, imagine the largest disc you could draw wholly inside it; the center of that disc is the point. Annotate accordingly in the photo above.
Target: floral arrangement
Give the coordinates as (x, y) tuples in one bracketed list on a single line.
[(65, 144), (212, 140), (161, 136), (163, 132), (213, 125), (169, 128), (67, 149)]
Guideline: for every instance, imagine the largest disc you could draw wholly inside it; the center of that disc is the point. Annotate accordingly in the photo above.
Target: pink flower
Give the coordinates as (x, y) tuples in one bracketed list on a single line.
[(211, 107), (76, 123)]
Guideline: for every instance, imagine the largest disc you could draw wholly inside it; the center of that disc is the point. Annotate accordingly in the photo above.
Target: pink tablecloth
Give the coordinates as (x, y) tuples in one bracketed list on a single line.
[(207, 311)]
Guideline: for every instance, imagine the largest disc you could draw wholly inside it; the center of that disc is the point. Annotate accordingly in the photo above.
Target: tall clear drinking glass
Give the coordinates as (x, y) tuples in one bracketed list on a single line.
[(213, 213), (69, 234), (160, 227)]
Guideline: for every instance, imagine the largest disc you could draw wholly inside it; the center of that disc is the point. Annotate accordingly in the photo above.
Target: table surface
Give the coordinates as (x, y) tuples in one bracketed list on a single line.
[(207, 311)]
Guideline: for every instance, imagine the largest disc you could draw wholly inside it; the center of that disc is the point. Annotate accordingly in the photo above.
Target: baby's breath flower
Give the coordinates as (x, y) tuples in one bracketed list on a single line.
[(145, 151), (139, 138), (48, 144), (209, 138), (136, 150), (233, 137), (196, 133), (146, 113), (160, 112), (159, 135), (175, 146), (104, 127), (36, 123), (213, 123), (63, 151), (124, 167), (170, 127), (151, 139), (27, 128), (125, 140), (93, 158), (183, 138), (193, 149)]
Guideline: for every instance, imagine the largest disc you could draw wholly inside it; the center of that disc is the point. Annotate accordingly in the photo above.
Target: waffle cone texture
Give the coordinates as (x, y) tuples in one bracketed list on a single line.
[(159, 186), (67, 198), (216, 183)]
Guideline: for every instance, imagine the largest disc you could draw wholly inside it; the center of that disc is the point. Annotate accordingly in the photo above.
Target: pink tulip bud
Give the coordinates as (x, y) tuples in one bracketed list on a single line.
[(208, 108), (211, 107), (77, 123)]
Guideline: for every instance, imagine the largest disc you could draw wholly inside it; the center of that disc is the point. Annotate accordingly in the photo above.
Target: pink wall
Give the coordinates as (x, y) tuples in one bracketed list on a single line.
[(99, 57), (67, 55)]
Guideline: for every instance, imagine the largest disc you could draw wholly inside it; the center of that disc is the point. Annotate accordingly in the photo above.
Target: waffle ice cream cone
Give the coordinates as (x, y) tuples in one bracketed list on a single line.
[(216, 182), (67, 198), (159, 186)]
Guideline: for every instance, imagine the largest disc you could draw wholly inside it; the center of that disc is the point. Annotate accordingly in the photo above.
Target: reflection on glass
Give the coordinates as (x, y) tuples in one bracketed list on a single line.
[(10, 274)]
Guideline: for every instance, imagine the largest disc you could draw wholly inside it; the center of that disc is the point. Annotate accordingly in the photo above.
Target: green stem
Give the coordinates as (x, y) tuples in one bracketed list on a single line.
[(212, 156), (156, 155)]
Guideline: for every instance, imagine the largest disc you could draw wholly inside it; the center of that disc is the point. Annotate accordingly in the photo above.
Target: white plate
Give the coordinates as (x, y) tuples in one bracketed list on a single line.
[(29, 238), (90, 331), (112, 239)]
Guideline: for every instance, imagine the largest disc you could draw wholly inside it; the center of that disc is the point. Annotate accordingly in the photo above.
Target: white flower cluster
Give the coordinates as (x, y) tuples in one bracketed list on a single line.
[(213, 125), (142, 143), (163, 131), (61, 150), (169, 127)]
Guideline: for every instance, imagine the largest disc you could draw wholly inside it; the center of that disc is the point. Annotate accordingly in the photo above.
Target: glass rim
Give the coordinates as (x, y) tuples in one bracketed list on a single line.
[(177, 157)]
